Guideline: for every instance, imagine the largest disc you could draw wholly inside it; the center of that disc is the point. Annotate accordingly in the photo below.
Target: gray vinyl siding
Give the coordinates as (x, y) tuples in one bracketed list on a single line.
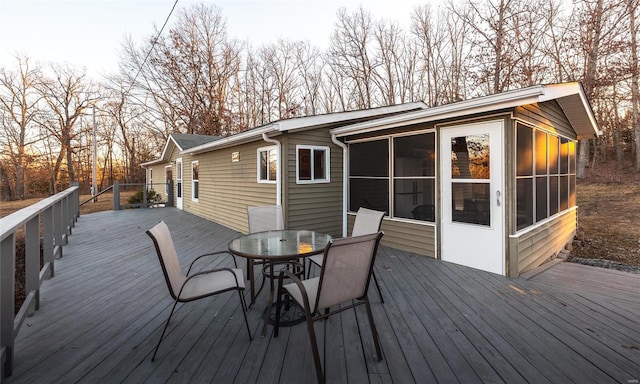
[(313, 206), (411, 237), (547, 115), (226, 188), (544, 241)]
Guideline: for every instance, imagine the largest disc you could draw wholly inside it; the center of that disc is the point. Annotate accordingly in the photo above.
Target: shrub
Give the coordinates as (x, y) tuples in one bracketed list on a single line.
[(152, 197)]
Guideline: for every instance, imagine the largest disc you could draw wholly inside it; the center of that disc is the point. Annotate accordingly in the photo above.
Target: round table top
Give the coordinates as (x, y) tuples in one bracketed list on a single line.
[(280, 245)]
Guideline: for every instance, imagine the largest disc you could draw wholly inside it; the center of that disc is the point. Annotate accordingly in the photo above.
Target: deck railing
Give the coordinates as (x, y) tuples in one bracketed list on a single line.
[(48, 222)]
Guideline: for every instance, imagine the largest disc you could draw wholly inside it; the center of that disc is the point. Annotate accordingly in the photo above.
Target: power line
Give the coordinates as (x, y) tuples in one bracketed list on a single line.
[(153, 45)]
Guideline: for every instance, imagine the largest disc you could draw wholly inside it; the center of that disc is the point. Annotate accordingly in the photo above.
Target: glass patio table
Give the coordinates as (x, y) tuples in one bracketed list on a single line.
[(278, 248)]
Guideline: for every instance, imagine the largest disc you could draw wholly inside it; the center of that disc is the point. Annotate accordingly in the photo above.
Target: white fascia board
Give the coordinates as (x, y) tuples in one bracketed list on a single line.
[(240, 138), (482, 104)]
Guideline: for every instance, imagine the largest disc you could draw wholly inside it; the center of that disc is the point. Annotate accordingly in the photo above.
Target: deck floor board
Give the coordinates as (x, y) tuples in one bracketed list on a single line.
[(103, 311)]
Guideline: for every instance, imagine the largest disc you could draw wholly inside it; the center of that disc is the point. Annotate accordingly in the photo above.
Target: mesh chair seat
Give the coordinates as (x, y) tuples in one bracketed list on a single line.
[(210, 283)]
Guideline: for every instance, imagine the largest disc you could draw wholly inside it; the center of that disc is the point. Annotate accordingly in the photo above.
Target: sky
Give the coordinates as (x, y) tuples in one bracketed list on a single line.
[(88, 33)]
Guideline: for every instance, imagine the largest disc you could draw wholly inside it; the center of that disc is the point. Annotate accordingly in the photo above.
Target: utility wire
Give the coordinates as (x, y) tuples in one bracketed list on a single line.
[(153, 45)]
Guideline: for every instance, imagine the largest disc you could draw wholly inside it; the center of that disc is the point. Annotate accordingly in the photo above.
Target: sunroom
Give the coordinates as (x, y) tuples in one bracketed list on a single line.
[(488, 183)]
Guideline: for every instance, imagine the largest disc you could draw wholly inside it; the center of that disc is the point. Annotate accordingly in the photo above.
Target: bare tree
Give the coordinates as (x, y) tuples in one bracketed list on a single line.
[(633, 6), (67, 94), (19, 105), (600, 27), (310, 66), (188, 72), (493, 23), (395, 63), (349, 54)]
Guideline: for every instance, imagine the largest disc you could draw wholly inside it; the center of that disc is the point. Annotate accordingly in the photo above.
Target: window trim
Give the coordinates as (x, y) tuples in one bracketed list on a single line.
[(327, 168), (195, 180), (258, 164)]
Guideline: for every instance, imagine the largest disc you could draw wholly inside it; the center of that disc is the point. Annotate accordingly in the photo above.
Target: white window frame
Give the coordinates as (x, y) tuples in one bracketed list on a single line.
[(195, 181), (258, 164), (150, 181), (327, 168)]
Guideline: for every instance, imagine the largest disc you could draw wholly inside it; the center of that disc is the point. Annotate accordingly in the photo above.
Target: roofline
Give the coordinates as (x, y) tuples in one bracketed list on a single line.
[(299, 123), (505, 100)]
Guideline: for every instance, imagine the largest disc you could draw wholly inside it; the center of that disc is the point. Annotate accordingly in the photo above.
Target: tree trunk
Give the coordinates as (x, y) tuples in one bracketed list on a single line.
[(583, 158), (635, 97)]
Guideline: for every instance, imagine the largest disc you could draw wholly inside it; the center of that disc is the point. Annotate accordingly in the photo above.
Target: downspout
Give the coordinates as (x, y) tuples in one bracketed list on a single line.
[(278, 169), (345, 185)]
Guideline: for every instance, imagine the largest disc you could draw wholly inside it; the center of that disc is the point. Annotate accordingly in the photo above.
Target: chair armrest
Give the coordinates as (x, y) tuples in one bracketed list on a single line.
[(211, 254)]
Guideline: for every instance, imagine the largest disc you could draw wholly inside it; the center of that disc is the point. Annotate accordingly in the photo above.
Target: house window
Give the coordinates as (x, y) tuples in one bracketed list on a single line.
[(150, 178), (267, 164), (312, 164), (195, 180), (545, 175), (395, 175), (168, 179)]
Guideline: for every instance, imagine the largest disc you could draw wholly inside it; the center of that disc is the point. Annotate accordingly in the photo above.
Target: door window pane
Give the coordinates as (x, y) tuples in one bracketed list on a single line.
[(369, 193), (524, 202), (470, 157), (524, 151), (470, 203), (414, 199)]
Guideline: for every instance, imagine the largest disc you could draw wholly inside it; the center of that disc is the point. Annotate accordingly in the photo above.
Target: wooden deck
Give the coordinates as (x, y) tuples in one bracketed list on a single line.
[(102, 314)]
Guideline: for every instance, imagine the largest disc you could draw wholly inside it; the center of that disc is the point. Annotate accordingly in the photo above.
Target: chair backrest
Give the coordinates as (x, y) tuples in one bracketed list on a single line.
[(168, 257), (265, 218), (346, 269), (367, 221)]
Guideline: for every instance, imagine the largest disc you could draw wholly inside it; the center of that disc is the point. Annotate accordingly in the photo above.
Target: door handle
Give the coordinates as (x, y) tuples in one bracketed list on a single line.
[(498, 198)]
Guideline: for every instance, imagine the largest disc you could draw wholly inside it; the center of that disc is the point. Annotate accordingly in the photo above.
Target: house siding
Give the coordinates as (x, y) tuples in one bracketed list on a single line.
[(313, 206), (411, 237), (226, 188), (547, 115), (542, 242)]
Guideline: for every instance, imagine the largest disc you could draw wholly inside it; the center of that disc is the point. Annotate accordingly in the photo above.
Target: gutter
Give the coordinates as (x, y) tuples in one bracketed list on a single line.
[(278, 169), (345, 185)]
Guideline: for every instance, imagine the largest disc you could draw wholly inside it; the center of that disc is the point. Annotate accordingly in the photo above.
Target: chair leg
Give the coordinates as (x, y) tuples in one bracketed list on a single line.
[(314, 349), (243, 303), (374, 331), (276, 327), (375, 280), (164, 330)]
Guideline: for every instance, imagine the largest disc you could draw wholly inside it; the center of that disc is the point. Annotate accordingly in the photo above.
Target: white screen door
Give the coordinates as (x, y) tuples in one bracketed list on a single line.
[(179, 183), (472, 196)]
